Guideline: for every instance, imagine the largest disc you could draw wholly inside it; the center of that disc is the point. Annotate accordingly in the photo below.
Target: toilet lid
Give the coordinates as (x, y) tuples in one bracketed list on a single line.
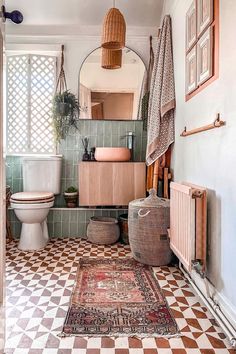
[(32, 197)]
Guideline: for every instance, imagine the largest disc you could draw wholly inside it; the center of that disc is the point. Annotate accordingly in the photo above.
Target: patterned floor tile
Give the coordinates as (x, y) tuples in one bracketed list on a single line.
[(39, 285)]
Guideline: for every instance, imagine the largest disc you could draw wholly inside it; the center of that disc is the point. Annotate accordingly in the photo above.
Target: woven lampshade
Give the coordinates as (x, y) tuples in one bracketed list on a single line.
[(111, 59), (114, 29)]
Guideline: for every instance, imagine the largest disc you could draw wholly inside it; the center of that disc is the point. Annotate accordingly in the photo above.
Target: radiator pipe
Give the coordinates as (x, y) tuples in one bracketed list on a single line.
[(214, 308)]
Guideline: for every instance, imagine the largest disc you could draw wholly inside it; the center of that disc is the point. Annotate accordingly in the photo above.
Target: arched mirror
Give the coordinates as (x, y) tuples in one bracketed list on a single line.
[(111, 94)]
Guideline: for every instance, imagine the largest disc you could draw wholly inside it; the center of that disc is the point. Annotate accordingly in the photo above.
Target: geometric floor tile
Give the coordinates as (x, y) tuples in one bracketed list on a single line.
[(39, 285)]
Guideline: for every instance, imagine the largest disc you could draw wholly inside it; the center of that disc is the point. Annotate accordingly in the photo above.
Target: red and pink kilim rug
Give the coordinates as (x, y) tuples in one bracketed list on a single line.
[(117, 298)]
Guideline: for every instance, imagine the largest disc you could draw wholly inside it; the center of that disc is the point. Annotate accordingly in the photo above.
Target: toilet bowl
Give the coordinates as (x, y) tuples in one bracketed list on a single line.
[(41, 182), (32, 208)]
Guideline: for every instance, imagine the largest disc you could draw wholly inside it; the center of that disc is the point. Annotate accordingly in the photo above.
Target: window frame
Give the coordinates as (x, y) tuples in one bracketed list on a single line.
[(215, 62)]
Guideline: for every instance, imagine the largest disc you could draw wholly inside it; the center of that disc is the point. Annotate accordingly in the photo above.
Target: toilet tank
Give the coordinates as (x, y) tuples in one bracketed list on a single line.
[(42, 174)]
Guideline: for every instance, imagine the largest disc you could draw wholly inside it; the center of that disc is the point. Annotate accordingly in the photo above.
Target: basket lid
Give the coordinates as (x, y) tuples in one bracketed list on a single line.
[(152, 201)]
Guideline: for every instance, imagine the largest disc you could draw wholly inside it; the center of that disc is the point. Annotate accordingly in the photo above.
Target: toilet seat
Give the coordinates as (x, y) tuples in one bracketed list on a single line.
[(32, 197)]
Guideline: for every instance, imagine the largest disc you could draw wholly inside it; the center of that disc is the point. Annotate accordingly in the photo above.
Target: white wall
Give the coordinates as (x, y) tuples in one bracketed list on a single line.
[(77, 49), (76, 52), (209, 158), (128, 78)]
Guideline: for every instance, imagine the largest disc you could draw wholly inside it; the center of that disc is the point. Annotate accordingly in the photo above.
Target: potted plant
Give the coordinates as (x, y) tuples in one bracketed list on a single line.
[(65, 113), (71, 197)]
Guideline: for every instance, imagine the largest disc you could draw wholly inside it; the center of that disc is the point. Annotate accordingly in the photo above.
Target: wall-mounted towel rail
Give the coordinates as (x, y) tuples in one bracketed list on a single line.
[(217, 124)]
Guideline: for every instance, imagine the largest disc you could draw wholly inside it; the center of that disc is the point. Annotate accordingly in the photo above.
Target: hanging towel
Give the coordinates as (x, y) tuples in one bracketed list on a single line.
[(145, 91), (160, 132)]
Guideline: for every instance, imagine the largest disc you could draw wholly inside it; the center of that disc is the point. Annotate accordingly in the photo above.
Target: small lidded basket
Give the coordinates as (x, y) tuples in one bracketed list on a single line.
[(148, 222)]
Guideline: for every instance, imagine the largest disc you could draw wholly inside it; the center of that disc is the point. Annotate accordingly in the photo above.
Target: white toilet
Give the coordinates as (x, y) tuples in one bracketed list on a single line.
[(41, 181)]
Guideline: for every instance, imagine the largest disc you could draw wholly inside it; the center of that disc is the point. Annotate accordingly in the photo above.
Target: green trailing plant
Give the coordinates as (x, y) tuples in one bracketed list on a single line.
[(71, 190), (65, 114)]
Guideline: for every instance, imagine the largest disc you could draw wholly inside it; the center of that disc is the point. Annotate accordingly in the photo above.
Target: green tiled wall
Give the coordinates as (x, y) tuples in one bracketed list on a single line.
[(67, 222), (14, 176), (100, 133)]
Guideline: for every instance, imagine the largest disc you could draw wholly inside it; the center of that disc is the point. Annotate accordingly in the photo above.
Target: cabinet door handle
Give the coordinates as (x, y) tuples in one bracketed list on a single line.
[(143, 215)]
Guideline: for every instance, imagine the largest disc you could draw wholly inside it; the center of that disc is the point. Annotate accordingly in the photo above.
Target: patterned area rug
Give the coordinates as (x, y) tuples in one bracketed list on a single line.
[(117, 298)]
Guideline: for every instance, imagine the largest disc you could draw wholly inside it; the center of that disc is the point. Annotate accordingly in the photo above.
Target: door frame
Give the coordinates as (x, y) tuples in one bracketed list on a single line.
[(2, 198)]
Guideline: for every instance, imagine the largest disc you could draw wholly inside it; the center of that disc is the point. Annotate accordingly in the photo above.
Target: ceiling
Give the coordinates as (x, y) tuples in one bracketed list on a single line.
[(137, 13)]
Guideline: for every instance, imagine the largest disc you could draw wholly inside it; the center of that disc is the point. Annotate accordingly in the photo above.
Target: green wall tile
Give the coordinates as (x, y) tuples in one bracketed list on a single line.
[(101, 133), (57, 229), (73, 216), (57, 216), (17, 185), (107, 140), (82, 230), (81, 216), (73, 229), (65, 229), (17, 229), (100, 128), (66, 223), (16, 171), (50, 229), (89, 214), (50, 216), (65, 217)]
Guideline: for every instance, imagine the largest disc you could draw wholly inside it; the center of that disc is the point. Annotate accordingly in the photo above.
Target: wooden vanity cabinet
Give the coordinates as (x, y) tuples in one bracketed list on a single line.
[(111, 183)]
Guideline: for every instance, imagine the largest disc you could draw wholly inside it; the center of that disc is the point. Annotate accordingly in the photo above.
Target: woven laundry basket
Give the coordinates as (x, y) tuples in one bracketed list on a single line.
[(148, 222), (103, 230)]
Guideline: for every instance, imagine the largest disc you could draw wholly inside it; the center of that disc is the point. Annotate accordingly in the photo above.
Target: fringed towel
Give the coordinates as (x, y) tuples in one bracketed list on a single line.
[(162, 97)]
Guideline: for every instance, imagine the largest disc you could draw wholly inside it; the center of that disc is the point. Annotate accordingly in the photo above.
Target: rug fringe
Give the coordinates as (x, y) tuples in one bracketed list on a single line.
[(115, 336)]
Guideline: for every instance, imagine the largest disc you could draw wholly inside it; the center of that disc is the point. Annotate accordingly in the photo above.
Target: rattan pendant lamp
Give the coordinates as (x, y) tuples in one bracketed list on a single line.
[(111, 59), (114, 29)]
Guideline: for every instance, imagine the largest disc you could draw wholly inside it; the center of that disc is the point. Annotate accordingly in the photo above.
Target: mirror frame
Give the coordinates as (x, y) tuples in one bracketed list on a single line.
[(108, 120)]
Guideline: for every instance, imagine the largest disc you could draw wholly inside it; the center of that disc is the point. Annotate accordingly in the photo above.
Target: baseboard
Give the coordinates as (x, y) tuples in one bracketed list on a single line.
[(218, 305)]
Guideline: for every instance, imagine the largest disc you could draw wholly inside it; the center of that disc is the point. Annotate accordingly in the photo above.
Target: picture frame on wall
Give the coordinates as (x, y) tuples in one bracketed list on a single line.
[(191, 26), (205, 57), (205, 12), (191, 70), (202, 47)]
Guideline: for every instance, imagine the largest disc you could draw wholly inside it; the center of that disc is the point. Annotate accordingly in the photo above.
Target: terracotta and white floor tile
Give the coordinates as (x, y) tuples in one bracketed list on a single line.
[(39, 286)]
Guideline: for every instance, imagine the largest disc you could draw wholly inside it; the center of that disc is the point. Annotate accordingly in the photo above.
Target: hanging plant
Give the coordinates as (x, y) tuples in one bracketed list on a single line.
[(65, 109), (65, 114)]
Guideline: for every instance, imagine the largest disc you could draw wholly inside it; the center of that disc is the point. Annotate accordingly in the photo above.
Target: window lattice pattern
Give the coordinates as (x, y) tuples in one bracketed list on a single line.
[(42, 89), (29, 103), (17, 104)]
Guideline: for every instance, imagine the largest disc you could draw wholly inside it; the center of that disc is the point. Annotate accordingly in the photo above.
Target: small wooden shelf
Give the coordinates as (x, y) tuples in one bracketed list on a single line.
[(216, 124)]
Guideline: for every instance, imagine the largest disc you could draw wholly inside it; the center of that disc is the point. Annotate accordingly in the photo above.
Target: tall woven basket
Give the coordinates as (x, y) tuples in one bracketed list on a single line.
[(148, 222)]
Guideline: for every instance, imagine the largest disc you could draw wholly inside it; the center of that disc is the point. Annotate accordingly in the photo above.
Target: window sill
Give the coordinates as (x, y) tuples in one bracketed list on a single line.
[(33, 155)]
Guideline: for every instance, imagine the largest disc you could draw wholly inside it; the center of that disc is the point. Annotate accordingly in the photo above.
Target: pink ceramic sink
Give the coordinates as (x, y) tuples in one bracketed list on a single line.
[(112, 154)]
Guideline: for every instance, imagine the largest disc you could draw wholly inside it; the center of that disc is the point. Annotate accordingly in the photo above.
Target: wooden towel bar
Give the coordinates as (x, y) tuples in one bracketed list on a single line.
[(217, 124)]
